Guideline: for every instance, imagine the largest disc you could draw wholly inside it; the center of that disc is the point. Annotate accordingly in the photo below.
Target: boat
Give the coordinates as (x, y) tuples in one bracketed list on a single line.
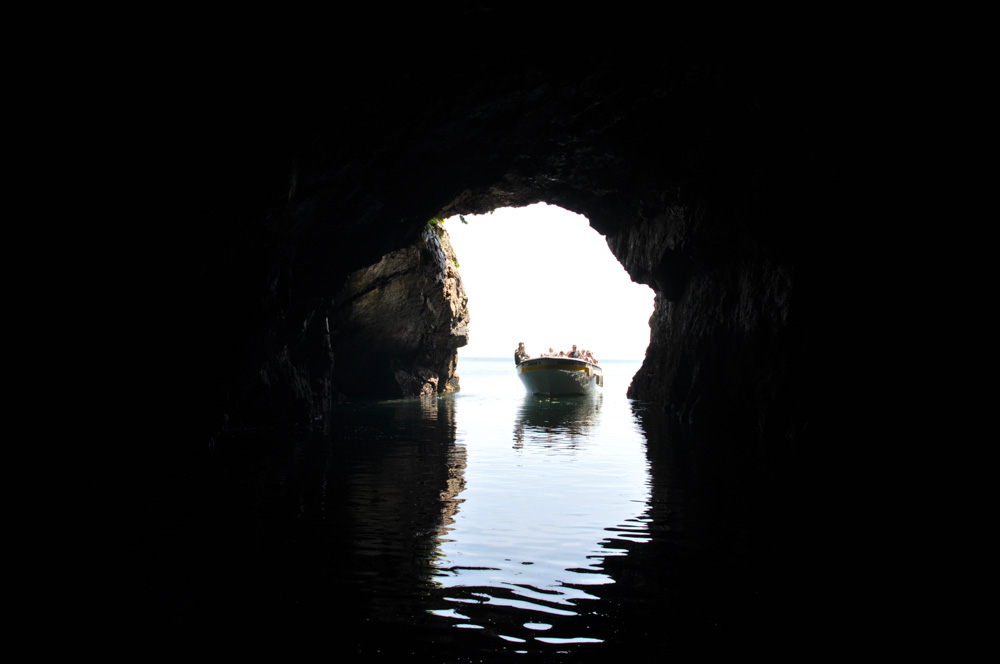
[(560, 376)]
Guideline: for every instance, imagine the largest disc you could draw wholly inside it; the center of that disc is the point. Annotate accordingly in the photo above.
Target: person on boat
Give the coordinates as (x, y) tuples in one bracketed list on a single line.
[(574, 352), (520, 355)]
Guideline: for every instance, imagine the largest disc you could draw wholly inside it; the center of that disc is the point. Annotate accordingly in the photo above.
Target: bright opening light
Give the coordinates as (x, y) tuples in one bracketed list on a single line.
[(540, 274)]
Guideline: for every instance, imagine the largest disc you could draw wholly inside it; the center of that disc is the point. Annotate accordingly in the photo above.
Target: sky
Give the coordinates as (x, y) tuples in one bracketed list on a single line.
[(540, 274)]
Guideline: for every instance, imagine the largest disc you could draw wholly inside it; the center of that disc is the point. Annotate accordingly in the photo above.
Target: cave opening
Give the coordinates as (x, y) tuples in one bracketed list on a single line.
[(542, 275)]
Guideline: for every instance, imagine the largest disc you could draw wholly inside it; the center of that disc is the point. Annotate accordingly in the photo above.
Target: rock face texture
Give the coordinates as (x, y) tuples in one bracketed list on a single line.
[(398, 324), (392, 330)]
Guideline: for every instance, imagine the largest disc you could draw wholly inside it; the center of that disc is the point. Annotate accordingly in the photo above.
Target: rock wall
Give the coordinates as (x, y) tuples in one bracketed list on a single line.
[(716, 176), (728, 177), (392, 330), (397, 324), (721, 341)]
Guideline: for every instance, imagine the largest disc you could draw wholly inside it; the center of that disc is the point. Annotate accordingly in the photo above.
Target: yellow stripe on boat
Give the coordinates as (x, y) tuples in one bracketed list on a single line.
[(558, 376), (549, 366)]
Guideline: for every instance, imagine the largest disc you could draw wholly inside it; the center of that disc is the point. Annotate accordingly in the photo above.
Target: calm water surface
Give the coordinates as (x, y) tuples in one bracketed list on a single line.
[(474, 527), (552, 487)]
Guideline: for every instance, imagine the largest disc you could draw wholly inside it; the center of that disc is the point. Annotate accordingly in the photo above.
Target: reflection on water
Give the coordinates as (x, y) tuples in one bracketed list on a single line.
[(538, 519), (484, 523), (556, 420), (332, 530)]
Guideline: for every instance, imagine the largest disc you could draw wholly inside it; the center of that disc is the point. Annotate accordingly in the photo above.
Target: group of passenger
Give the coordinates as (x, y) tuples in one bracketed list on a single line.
[(520, 355)]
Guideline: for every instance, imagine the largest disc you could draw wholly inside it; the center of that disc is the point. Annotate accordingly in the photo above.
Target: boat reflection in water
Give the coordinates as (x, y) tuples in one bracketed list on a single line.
[(523, 558), (556, 421)]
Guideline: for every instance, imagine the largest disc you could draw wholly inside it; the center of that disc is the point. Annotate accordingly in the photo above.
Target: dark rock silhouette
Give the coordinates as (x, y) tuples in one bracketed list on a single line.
[(718, 177)]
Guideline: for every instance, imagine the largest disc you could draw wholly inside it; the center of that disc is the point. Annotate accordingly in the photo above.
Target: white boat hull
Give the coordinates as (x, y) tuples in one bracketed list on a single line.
[(560, 376)]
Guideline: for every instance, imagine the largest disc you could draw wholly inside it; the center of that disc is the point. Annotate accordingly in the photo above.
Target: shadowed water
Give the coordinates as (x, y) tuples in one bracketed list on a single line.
[(478, 525)]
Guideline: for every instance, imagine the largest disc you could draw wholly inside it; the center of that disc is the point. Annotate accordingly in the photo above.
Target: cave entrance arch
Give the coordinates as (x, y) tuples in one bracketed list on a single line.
[(541, 274)]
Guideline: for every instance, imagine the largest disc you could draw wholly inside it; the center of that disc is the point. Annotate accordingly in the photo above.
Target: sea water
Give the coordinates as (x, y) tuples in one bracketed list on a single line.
[(472, 526), (552, 486)]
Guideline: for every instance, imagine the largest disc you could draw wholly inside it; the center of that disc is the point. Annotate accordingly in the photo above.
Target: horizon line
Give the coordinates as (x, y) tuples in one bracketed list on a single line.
[(504, 357)]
